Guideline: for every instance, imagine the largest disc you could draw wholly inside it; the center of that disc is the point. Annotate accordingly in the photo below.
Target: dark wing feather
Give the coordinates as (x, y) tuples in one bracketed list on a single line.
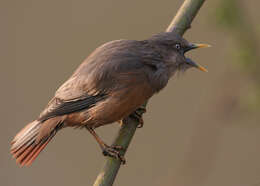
[(73, 106)]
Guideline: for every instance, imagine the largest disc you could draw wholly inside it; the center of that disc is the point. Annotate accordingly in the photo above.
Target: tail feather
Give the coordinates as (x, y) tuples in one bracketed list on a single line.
[(24, 154), (24, 142), (27, 145), (35, 152), (30, 128), (17, 152)]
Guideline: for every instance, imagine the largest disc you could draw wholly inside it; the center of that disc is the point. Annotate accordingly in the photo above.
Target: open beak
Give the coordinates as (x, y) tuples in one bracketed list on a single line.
[(192, 63), (194, 46)]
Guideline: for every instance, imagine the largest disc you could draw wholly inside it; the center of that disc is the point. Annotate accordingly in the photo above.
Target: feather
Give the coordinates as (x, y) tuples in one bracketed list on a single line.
[(33, 138)]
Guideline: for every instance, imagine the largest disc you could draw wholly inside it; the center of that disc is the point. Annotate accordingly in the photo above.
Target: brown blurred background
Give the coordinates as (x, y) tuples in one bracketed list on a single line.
[(203, 129)]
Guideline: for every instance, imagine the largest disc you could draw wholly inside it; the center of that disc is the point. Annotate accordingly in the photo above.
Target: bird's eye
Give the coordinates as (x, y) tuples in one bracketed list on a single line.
[(178, 46)]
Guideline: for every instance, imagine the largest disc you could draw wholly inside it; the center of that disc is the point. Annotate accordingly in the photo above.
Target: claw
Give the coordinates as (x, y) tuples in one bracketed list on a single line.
[(142, 109), (141, 123), (113, 151), (117, 147), (139, 117)]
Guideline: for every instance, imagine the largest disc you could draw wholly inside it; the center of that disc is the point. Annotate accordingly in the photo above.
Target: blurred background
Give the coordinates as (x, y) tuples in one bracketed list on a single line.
[(203, 129)]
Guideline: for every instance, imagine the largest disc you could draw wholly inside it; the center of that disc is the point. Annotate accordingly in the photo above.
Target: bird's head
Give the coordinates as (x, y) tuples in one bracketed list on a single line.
[(173, 48)]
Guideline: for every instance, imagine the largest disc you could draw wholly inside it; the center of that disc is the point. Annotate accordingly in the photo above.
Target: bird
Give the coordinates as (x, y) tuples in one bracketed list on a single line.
[(114, 81)]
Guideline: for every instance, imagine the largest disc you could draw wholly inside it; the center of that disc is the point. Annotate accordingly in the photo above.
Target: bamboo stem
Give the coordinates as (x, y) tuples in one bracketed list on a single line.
[(185, 15), (180, 23)]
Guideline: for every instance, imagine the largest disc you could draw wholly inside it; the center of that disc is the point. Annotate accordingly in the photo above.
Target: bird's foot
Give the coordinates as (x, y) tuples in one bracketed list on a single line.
[(141, 122), (138, 116), (114, 152)]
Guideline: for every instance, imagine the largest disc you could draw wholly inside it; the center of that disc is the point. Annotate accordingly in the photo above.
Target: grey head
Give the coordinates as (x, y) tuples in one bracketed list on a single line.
[(173, 48)]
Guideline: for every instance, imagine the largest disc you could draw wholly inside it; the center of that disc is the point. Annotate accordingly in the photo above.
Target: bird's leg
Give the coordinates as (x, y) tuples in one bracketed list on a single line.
[(137, 114), (112, 151)]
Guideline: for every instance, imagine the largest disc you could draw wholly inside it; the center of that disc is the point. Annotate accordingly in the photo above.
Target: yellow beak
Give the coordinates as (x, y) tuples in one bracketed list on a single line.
[(192, 63), (193, 46), (201, 68)]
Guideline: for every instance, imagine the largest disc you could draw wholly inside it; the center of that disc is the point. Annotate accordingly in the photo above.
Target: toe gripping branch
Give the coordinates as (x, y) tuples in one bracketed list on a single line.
[(115, 150), (111, 151), (138, 115)]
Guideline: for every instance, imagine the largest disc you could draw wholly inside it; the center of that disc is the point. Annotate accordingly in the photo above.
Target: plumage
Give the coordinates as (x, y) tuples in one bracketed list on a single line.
[(109, 85)]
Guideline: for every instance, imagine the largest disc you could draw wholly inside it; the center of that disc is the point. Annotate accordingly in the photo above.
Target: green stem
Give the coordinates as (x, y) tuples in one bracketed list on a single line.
[(107, 175), (179, 24), (185, 15)]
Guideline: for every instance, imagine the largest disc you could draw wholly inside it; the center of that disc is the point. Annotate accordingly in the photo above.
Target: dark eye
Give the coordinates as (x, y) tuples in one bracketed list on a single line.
[(178, 46)]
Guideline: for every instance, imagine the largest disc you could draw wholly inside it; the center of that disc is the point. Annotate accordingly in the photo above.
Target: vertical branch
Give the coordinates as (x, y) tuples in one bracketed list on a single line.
[(179, 24)]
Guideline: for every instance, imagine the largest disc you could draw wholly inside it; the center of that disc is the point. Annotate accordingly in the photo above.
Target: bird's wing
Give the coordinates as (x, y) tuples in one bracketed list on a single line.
[(109, 68), (58, 107)]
